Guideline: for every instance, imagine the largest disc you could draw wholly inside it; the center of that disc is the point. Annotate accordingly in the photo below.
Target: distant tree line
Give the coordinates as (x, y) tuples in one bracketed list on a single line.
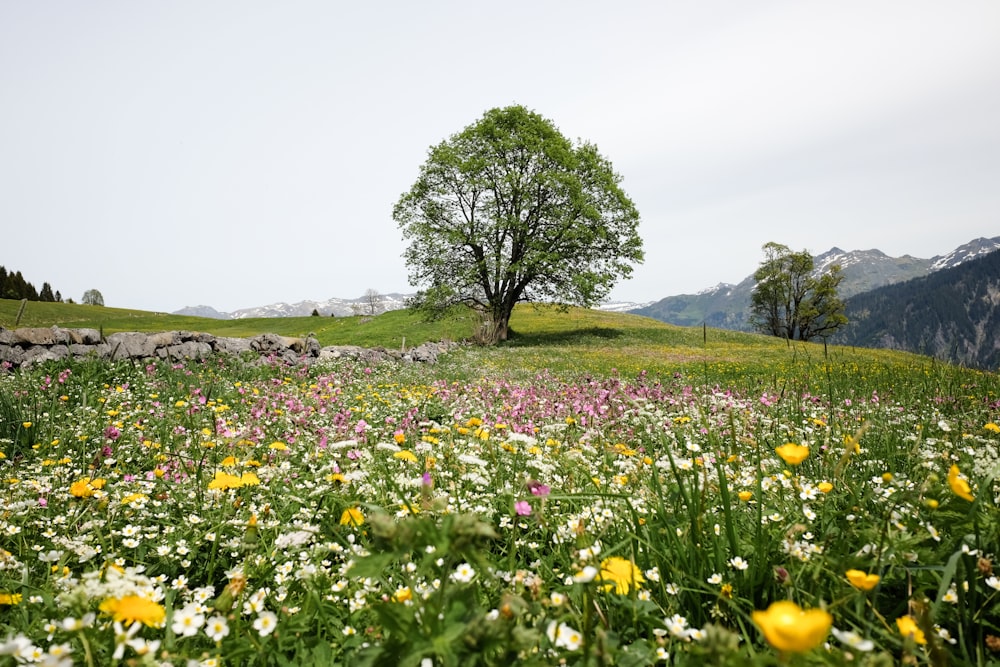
[(14, 286)]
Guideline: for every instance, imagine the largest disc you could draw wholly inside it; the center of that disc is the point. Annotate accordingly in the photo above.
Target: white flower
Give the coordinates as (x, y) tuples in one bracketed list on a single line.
[(853, 639), (143, 646), (586, 575), (18, 646), (677, 625), (993, 583), (715, 579), (188, 621), (563, 636), (463, 573), (123, 636), (557, 598), (216, 628), (265, 623), (738, 563)]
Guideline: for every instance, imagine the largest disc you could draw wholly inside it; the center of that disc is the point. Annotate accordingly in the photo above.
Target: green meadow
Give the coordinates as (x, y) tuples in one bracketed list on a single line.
[(601, 489)]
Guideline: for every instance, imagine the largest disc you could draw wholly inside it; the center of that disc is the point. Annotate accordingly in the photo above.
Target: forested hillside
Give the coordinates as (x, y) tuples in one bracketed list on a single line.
[(952, 314)]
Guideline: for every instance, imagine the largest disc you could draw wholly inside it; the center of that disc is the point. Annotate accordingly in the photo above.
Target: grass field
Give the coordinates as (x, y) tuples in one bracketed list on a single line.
[(601, 489)]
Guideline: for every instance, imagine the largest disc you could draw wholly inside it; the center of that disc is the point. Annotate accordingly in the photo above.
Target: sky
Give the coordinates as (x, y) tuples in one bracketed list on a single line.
[(241, 153)]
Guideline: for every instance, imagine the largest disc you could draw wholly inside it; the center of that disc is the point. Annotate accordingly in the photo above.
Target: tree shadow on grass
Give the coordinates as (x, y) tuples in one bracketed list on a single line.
[(556, 338)]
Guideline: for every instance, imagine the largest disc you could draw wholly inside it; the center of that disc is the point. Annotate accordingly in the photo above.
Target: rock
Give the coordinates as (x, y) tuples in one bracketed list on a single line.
[(84, 336), (234, 346), (78, 350), (34, 336), (12, 354), (36, 345), (188, 350), (131, 345)]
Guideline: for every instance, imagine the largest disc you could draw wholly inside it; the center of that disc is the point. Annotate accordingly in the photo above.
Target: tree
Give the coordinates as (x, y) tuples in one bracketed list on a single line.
[(46, 293), (372, 301), (509, 210), (790, 300), (93, 297)]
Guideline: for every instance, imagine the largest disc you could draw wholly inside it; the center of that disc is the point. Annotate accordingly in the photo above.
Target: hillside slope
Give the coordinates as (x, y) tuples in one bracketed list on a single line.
[(952, 314)]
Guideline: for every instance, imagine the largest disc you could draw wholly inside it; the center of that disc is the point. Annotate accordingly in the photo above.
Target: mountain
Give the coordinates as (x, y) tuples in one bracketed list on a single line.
[(727, 306), (202, 311), (952, 314), (339, 307), (620, 306)]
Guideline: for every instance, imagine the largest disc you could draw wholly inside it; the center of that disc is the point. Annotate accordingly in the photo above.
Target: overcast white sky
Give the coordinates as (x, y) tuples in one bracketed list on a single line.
[(239, 153)]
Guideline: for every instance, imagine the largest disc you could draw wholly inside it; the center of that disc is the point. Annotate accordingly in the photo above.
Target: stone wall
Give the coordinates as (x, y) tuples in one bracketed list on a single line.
[(23, 347)]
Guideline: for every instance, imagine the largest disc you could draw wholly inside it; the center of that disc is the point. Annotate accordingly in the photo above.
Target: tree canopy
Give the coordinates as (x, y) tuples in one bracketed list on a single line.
[(790, 300), (93, 297), (510, 210)]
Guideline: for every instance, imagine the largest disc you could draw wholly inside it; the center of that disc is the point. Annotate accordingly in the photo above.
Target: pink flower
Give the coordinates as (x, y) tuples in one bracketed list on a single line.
[(522, 507), (538, 489)]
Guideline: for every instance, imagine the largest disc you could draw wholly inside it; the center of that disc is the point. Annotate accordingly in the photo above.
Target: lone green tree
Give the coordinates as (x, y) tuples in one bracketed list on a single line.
[(93, 297), (790, 300), (510, 210)]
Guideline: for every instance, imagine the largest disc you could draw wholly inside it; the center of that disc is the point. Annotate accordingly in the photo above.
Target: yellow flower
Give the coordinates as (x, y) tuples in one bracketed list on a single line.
[(792, 454), (399, 437), (26, 424), (249, 479), (10, 599), (352, 516), (825, 487), (405, 455), (908, 628), (81, 488), (992, 428), (958, 485), (280, 446), (862, 580), (745, 496), (622, 574), (789, 628), (132, 608), (224, 480), (229, 461)]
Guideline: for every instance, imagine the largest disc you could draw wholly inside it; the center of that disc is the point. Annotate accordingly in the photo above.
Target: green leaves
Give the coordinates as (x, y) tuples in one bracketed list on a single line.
[(790, 300), (510, 210)]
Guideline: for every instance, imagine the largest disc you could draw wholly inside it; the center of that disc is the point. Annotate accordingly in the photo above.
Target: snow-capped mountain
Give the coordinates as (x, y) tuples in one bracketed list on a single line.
[(621, 306), (363, 305), (727, 306), (971, 250)]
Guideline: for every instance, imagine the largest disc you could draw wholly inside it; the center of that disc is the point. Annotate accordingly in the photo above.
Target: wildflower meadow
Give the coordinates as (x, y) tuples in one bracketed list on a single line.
[(227, 513)]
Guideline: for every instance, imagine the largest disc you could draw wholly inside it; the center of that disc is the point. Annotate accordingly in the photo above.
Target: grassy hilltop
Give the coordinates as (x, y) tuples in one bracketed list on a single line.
[(544, 337)]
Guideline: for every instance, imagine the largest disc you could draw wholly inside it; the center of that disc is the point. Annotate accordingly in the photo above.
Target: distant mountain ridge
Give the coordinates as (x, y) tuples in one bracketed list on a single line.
[(333, 306), (952, 313), (727, 306)]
